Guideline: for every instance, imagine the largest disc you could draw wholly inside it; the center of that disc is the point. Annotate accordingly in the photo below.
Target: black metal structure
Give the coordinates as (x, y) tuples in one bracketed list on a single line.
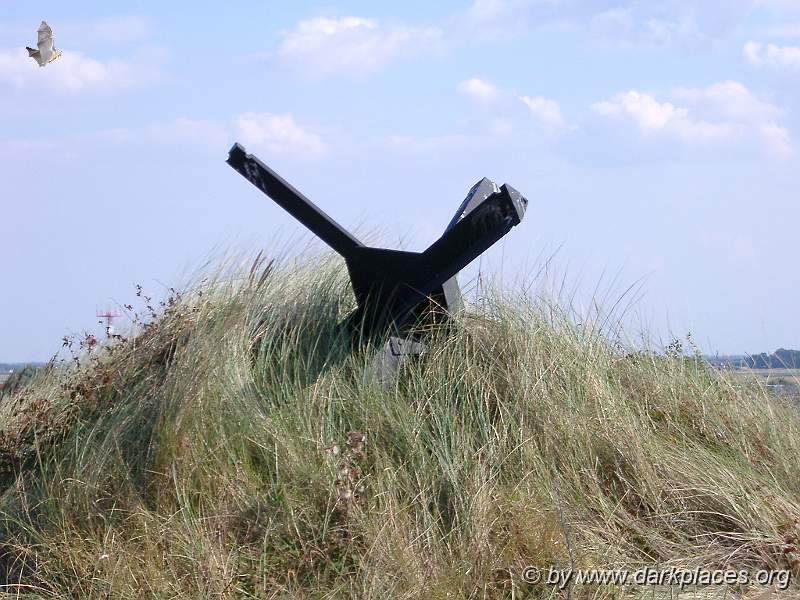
[(397, 290)]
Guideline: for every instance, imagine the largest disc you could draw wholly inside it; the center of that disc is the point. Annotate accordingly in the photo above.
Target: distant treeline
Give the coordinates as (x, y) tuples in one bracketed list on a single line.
[(780, 359)]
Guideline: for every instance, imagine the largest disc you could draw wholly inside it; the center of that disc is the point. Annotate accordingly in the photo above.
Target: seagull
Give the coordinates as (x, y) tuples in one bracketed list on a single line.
[(46, 52)]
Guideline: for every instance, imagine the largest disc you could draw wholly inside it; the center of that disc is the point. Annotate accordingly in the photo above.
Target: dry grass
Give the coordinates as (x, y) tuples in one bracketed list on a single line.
[(236, 447)]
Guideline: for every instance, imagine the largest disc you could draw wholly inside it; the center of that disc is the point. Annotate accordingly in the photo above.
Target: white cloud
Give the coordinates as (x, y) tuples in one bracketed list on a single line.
[(506, 110), (323, 45), (278, 133), (74, 72), (743, 110), (732, 100), (479, 90), (546, 111), (722, 112), (771, 55), (645, 111)]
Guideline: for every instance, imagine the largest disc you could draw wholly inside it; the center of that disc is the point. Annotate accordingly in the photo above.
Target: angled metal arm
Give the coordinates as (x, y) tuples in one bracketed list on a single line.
[(292, 201), (477, 194), (475, 233)]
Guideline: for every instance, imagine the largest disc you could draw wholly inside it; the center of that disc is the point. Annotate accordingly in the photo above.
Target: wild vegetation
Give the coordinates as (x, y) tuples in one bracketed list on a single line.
[(17, 379), (233, 446)]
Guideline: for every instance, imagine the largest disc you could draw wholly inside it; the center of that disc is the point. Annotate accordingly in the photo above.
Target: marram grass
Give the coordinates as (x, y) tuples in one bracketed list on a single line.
[(235, 447)]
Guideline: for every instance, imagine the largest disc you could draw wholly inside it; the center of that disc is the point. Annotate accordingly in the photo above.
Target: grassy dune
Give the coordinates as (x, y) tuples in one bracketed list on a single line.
[(235, 447)]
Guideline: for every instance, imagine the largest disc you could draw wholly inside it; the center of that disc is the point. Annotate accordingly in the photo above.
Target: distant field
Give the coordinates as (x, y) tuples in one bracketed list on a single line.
[(3, 377), (782, 381)]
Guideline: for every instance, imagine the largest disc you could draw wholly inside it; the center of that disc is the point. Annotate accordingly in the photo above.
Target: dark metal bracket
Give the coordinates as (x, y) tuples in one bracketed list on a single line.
[(396, 290)]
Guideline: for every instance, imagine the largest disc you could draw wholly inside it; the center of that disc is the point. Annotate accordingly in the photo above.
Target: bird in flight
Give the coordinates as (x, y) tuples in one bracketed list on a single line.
[(45, 53)]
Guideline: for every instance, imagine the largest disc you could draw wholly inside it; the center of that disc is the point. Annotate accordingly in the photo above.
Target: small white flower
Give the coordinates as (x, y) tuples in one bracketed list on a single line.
[(332, 450)]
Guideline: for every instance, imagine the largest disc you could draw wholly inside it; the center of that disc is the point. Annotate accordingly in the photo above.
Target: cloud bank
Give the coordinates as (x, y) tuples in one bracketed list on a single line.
[(772, 55), (722, 112), (353, 45)]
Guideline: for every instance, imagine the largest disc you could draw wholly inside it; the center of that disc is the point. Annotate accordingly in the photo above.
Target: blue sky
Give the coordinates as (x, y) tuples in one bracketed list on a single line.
[(656, 141)]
